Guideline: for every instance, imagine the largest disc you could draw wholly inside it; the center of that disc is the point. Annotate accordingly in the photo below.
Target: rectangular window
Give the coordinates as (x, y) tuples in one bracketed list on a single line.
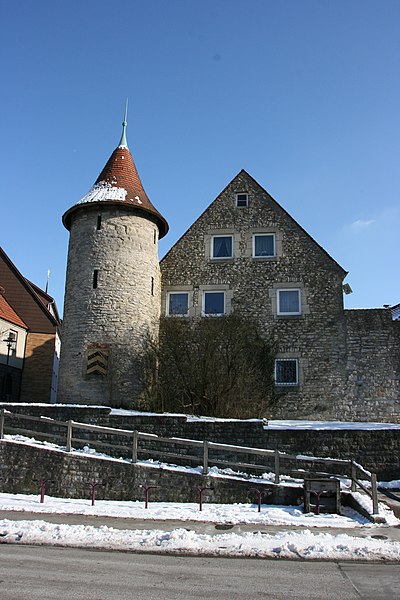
[(286, 371), (12, 337), (289, 302), (242, 200), (152, 286), (95, 278), (178, 304), (263, 245), (98, 222), (214, 303), (221, 246)]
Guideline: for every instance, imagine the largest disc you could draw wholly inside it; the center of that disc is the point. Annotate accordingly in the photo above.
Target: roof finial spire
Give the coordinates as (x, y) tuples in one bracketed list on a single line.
[(123, 141)]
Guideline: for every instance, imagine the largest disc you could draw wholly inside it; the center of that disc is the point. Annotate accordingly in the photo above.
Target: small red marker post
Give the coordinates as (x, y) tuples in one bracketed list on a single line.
[(146, 493), (93, 486), (201, 490), (43, 487)]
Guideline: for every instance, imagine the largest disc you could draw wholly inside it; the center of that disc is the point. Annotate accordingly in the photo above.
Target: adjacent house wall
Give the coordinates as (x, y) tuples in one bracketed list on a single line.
[(37, 373)]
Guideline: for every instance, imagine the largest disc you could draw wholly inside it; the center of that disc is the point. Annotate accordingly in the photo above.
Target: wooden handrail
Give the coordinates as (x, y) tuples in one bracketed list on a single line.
[(206, 446)]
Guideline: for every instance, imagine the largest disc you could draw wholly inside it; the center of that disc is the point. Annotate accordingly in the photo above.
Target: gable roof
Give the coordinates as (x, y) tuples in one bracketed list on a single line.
[(276, 204), (8, 313), (25, 301)]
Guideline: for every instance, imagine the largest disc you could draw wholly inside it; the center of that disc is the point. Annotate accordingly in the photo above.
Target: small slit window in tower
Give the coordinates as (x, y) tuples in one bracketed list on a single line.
[(152, 286), (155, 236), (95, 278), (98, 222)]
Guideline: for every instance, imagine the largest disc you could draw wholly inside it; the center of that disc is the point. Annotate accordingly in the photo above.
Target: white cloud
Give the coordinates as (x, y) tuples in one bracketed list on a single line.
[(361, 224)]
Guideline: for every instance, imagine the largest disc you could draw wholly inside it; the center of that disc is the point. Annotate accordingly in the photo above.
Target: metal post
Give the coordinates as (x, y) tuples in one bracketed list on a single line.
[(146, 492), (42, 490), (353, 476), (135, 447), (69, 437), (277, 466), (205, 457), (375, 506), (93, 485), (259, 492), (2, 411), (201, 490)]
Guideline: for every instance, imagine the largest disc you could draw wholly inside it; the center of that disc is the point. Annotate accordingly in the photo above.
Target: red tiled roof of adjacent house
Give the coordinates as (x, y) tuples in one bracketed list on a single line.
[(8, 313), (25, 299), (119, 183)]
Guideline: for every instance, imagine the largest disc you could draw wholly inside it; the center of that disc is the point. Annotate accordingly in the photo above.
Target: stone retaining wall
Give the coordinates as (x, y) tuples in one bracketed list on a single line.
[(378, 450)]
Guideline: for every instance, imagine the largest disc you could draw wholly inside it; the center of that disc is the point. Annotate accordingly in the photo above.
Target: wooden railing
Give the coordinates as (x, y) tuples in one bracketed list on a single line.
[(275, 457)]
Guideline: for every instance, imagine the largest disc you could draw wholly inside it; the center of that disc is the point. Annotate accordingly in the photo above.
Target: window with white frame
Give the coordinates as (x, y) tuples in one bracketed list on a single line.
[(178, 304), (242, 200), (213, 303), (289, 302), (286, 371), (222, 246), (263, 245)]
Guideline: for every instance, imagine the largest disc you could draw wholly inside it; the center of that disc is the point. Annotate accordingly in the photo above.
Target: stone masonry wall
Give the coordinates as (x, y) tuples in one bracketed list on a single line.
[(376, 449), (348, 360), (372, 388), (21, 464), (316, 337), (115, 316)]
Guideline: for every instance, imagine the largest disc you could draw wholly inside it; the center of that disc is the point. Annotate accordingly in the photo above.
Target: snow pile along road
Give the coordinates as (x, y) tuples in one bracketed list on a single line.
[(299, 543)]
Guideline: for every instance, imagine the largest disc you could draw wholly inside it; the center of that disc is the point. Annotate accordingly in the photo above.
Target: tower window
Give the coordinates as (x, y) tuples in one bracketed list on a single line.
[(98, 222), (152, 286), (155, 236), (95, 278)]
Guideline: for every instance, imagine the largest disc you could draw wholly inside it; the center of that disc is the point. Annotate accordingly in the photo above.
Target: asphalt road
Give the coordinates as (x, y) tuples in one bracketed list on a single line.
[(46, 573)]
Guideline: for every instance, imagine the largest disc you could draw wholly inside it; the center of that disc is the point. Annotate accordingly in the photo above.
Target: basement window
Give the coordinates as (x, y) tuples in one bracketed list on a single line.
[(286, 371)]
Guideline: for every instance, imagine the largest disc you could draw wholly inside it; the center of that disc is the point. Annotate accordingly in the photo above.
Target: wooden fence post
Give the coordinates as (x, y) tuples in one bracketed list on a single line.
[(374, 489), (135, 447), (277, 466), (205, 457), (353, 476), (2, 411), (69, 437)]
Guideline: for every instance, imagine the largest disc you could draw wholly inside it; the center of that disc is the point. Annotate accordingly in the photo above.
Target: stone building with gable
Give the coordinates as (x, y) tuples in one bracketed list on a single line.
[(245, 254)]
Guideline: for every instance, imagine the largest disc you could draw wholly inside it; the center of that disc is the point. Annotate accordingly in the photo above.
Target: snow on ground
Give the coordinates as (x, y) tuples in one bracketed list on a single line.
[(301, 544), (185, 511)]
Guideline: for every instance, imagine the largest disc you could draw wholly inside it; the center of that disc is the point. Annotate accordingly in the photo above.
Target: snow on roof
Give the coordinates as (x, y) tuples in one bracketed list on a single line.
[(103, 191)]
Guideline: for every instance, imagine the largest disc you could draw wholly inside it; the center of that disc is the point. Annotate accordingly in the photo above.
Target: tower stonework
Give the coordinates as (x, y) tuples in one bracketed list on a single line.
[(113, 288)]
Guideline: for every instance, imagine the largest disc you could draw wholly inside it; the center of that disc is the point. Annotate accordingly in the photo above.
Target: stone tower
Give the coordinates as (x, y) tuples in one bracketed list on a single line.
[(113, 288)]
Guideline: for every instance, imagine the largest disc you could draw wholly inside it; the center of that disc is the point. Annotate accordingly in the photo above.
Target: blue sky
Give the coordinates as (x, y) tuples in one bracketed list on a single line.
[(303, 94)]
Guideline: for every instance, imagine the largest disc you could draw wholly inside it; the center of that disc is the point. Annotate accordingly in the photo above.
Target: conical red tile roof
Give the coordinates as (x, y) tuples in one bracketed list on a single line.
[(119, 183)]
